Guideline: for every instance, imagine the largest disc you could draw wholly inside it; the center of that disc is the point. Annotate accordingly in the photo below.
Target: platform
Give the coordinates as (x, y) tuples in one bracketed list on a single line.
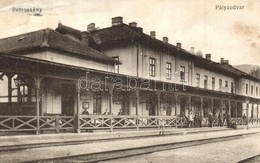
[(18, 140), (178, 136)]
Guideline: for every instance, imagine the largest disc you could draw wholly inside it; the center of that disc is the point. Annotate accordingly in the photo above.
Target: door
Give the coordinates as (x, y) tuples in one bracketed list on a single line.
[(68, 100), (151, 106), (97, 104)]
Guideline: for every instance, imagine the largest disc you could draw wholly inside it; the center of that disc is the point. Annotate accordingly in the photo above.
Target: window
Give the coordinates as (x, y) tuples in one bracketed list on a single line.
[(252, 90), (152, 66), (168, 70), (256, 91), (232, 87), (226, 85), (205, 82), (22, 90), (198, 80), (246, 89), (182, 74), (213, 83), (116, 64), (220, 84)]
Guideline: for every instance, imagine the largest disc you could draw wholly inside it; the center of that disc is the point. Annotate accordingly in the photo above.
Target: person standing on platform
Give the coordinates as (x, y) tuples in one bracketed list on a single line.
[(228, 119), (210, 119), (220, 123), (199, 120), (85, 112), (106, 113), (120, 112), (196, 122), (244, 119), (190, 120)]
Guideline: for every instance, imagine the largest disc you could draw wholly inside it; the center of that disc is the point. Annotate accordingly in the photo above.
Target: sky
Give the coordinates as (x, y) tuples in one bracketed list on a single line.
[(231, 34)]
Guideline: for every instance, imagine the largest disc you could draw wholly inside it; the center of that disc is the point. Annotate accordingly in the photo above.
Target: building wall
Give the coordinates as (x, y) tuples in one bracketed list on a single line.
[(127, 55), (203, 72), (71, 60), (160, 66), (242, 87)]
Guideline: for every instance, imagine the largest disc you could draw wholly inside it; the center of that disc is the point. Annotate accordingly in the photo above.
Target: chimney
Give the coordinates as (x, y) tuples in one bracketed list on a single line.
[(208, 56), (226, 61), (199, 53), (165, 40), (140, 29), (192, 50), (221, 60), (152, 34), (133, 24), (85, 38), (91, 27), (178, 44), (117, 21)]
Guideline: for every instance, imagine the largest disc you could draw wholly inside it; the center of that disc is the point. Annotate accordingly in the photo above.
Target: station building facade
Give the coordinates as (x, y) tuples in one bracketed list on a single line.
[(61, 72)]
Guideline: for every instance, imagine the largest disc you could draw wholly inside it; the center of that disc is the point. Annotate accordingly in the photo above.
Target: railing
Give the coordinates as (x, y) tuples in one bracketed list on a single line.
[(29, 123), (18, 123), (56, 123), (91, 122), (243, 121), (238, 121)]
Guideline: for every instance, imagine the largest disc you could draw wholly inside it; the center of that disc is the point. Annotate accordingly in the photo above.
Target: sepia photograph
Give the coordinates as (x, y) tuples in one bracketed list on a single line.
[(130, 81)]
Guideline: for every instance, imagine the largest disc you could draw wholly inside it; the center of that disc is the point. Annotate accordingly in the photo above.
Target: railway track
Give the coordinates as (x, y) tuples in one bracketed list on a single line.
[(109, 155), (253, 159)]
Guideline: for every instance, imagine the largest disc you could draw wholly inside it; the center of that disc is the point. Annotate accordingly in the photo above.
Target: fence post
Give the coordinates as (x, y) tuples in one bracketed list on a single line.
[(13, 121), (111, 123), (176, 120), (257, 112), (77, 123), (37, 80), (77, 115), (57, 124), (137, 123)]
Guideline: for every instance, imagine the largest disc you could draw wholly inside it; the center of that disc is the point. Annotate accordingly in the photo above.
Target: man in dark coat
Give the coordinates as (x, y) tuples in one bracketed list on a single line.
[(220, 123), (210, 119)]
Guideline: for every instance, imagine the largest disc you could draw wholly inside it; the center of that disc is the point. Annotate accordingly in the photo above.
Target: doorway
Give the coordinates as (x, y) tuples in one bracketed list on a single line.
[(68, 100), (97, 103), (151, 106)]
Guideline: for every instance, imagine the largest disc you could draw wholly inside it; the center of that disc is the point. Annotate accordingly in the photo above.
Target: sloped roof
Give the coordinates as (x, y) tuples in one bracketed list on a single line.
[(115, 33), (48, 38), (225, 68)]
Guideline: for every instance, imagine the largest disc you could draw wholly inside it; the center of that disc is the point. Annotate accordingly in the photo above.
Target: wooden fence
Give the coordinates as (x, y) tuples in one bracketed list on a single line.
[(93, 122)]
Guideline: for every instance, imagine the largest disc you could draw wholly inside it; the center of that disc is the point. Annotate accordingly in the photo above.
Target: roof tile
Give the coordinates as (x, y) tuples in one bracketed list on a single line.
[(51, 39)]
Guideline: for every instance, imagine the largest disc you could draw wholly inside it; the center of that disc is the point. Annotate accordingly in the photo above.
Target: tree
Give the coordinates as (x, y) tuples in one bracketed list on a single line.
[(255, 71)]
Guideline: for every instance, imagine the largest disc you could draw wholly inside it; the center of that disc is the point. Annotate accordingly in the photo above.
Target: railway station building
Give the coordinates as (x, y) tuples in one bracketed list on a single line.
[(120, 76)]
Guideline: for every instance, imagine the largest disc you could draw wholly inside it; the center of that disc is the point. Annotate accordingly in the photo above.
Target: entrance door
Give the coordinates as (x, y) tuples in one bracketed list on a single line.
[(68, 100), (97, 104), (125, 104), (151, 106), (183, 107)]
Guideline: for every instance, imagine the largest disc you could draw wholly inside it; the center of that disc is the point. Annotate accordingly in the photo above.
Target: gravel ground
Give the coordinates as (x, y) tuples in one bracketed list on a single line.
[(227, 151)]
